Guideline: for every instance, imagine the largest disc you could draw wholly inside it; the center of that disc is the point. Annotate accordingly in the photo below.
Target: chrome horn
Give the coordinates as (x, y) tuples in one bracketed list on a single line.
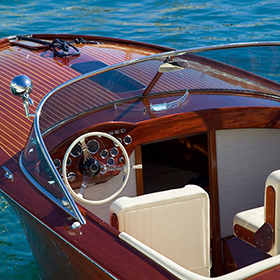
[(21, 85)]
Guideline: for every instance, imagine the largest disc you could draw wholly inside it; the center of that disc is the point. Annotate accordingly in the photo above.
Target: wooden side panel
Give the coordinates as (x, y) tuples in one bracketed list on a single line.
[(270, 206), (272, 273), (139, 172), (214, 200)]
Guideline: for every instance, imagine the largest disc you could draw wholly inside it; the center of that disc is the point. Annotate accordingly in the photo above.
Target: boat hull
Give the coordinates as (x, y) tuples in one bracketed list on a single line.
[(54, 256)]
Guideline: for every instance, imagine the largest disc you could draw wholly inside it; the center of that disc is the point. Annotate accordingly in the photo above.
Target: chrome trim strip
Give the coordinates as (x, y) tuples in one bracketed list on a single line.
[(59, 236)]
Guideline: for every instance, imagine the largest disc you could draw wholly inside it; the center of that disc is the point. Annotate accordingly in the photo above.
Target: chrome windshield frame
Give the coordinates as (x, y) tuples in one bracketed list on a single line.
[(168, 54)]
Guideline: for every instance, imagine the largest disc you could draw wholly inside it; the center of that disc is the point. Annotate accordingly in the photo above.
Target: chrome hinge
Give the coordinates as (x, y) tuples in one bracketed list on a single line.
[(9, 175)]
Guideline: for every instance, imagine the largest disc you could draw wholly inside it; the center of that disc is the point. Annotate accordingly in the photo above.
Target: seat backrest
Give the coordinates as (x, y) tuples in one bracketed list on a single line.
[(174, 223), (259, 226), (272, 208)]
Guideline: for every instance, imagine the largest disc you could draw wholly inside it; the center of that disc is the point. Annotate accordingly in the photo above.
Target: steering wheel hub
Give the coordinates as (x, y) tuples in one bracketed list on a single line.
[(90, 167)]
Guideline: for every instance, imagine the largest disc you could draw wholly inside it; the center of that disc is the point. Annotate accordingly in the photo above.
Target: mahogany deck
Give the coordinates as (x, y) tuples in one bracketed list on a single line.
[(46, 73)]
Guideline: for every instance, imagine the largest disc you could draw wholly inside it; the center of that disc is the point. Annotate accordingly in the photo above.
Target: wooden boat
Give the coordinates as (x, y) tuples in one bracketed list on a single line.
[(135, 161)]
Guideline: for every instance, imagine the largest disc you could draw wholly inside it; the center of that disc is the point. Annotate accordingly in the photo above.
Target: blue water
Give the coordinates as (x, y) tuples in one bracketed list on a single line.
[(178, 24)]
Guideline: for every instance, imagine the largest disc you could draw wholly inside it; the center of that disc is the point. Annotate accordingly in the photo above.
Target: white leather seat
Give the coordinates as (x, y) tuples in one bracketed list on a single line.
[(174, 223), (259, 226), (251, 219)]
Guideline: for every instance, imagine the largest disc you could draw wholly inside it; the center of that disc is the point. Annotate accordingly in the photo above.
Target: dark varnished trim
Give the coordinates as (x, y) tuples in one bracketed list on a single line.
[(203, 121), (270, 206), (214, 200), (139, 172), (244, 234)]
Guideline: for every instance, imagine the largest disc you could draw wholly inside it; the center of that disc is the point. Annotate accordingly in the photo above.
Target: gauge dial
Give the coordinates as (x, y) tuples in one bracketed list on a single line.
[(110, 161), (114, 152), (104, 153), (127, 139), (93, 146), (68, 161), (57, 163), (77, 150)]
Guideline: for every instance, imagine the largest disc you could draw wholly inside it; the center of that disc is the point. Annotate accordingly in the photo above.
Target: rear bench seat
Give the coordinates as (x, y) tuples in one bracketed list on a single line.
[(174, 223)]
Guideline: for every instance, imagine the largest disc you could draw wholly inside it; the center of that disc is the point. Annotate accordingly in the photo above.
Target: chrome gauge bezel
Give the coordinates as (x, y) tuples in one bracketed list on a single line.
[(96, 143), (57, 162), (76, 154), (114, 152), (110, 159), (127, 139), (104, 153)]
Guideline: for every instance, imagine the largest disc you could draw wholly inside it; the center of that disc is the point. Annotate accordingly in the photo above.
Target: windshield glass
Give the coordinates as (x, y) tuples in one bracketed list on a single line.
[(135, 79), (263, 61)]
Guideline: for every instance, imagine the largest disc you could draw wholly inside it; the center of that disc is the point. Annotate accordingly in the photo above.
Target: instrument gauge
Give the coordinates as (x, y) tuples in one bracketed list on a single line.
[(56, 162), (77, 150), (114, 152), (93, 146), (110, 161), (68, 162), (127, 139), (104, 153)]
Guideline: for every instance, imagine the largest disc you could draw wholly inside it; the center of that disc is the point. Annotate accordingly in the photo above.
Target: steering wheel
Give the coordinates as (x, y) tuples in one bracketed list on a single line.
[(92, 167)]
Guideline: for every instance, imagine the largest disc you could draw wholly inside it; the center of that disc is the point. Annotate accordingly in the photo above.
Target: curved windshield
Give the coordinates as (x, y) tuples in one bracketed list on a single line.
[(132, 80), (263, 61), (175, 72)]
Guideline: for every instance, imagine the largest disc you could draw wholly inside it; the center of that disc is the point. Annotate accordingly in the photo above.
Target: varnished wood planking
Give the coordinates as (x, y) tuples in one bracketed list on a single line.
[(269, 274), (46, 73), (243, 119), (118, 54), (18, 61), (15, 61)]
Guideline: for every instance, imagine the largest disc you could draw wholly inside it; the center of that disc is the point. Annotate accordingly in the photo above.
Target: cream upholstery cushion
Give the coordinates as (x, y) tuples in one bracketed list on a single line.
[(174, 223), (254, 219), (251, 219)]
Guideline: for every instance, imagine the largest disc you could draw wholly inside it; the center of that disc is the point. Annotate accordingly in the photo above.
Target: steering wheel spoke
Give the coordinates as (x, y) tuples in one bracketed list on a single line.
[(87, 154), (91, 167)]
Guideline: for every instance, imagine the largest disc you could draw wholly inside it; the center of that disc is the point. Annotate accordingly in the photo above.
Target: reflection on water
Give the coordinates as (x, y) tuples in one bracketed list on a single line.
[(16, 260), (177, 24)]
